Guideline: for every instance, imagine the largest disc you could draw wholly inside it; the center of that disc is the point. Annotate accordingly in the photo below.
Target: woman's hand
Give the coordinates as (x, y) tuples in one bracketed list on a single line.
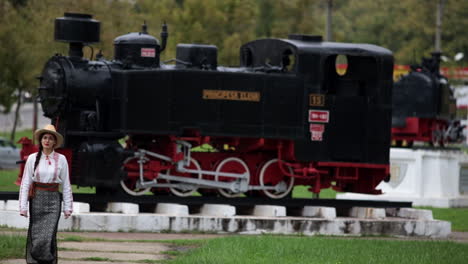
[(67, 214), (24, 213)]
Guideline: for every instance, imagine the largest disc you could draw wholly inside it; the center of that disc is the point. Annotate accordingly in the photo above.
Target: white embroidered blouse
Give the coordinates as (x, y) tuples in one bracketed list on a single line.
[(51, 168)]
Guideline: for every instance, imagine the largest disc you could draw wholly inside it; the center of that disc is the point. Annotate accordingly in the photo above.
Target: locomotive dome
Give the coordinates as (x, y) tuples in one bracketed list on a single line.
[(137, 48)]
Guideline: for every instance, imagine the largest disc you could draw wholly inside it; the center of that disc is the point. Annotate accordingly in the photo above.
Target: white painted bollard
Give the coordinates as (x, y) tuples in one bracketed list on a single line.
[(418, 214), (319, 211), (80, 207), (269, 210), (124, 208), (218, 210), (12, 205), (172, 209), (367, 212)]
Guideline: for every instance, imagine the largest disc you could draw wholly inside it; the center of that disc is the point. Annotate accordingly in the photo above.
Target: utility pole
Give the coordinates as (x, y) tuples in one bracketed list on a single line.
[(440, 10), (34, 115), (328, 25)]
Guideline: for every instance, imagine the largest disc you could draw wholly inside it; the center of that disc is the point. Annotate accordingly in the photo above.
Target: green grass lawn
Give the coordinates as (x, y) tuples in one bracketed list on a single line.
[(12, 246), (295, 249), (18, 135), (457, 216), (286, 249), (303, 192), (8, 177)]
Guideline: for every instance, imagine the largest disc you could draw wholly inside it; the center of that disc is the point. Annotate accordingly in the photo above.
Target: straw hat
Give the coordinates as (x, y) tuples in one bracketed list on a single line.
[(51, 130)]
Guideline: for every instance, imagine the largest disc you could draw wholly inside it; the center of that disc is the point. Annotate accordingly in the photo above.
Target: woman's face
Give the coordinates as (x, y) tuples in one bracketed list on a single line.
[(48, 141)]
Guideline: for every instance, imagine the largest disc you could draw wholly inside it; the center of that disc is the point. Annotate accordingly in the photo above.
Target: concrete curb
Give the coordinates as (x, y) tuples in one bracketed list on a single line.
[(146, 222)]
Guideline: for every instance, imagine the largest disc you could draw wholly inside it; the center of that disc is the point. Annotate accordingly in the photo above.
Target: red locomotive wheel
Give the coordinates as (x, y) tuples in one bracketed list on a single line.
[(231, 165), (271, 175)]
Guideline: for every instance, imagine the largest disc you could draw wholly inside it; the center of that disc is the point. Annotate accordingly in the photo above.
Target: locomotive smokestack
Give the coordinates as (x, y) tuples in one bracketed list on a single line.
[(436, 57), (78, 30), (164, 35)]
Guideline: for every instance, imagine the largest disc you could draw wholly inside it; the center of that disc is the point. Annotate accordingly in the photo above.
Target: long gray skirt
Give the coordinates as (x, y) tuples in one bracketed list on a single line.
[(44, 210)]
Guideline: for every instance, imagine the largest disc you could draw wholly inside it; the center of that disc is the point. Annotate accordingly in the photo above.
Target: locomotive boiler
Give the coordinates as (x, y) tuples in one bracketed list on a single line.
[(424, 108), (284, 117)]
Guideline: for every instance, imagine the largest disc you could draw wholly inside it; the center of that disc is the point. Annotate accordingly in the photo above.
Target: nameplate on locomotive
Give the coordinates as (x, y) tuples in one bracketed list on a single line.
[(231, 95)]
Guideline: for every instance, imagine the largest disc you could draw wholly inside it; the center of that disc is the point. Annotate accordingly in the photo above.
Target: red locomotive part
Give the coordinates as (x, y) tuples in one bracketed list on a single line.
[(269, 164), (420, 129)]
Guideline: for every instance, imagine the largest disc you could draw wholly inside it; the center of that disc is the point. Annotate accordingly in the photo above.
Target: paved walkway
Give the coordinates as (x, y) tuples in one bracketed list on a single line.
[(120, 250)]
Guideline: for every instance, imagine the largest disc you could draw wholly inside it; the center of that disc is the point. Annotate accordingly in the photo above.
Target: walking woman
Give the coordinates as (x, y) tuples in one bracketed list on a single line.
[(43, 173)]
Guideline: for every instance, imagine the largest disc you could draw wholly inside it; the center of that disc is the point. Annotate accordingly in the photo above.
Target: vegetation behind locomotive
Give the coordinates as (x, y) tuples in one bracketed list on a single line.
[(284, 117)]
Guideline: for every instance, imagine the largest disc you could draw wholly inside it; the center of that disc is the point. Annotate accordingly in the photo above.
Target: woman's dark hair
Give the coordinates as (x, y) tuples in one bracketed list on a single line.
[(39, 154)]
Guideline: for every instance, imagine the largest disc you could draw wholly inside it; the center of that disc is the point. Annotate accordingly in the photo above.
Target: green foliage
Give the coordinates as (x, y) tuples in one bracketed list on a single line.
[(405, 27), (284, 249), (12, 246)]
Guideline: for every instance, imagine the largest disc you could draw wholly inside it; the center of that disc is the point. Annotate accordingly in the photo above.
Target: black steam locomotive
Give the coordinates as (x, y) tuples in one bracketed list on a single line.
[(284, 117), (424, 108)]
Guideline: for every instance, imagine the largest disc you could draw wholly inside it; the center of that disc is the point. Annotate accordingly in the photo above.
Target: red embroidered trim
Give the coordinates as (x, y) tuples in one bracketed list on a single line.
[(56, 166)]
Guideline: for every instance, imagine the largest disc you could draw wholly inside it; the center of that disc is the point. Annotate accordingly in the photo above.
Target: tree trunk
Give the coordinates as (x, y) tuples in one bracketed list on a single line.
[(15, 123)]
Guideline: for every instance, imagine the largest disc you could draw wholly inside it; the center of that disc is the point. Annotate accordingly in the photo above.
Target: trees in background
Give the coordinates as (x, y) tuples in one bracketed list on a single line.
[(405, 27)]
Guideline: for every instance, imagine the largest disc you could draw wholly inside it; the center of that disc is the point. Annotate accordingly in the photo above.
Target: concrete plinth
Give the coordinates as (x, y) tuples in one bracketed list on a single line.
[(436, 178), (12, 205), (367, 213), (80, 207), (124, 208), (172, 209), (222, 210), (415, 214), (269, 210), (142, 222), (2, 205), (319, 211)]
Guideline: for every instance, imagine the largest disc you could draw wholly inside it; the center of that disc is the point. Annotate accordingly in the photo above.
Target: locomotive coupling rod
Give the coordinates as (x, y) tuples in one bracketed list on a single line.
[(181, 169), (141, 153), (235, 186), (280, 187)]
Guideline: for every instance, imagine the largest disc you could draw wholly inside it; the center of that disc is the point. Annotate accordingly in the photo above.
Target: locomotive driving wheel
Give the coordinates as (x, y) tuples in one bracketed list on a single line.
[(184, 192), (271, 175), (231, 165), (129, 184)]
